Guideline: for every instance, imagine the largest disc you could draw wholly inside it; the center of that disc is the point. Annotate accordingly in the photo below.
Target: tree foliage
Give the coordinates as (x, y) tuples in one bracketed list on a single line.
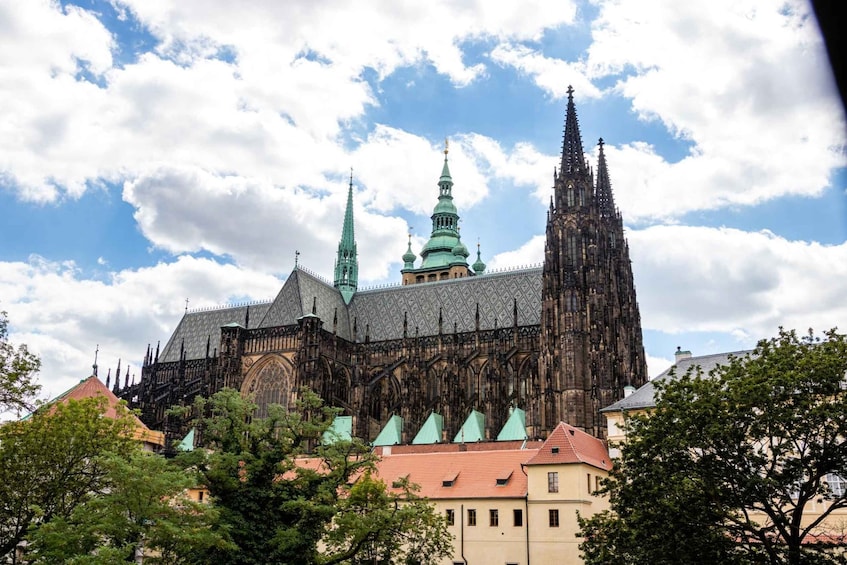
[(285, 497), (143, 509), (17, 371), (725, 468), (49, 463)]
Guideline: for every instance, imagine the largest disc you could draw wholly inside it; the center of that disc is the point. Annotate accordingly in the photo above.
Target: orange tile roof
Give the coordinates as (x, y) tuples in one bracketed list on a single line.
[(474, 474), (567, 444), (93, 387)]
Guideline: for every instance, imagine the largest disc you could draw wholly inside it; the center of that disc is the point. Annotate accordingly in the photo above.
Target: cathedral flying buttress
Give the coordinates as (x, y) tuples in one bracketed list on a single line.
[(553, 343)]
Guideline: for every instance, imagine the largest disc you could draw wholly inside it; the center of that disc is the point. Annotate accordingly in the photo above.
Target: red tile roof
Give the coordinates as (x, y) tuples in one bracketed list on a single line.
[(473, 474), (93, 387), (567, 444)]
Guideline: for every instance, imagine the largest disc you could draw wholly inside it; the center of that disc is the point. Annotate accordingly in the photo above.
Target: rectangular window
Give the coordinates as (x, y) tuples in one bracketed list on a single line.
[(553, 482), (837, 484), (588, 481), (517, 514), (493, 517), (471, 517), (450, 514), (554, 518)]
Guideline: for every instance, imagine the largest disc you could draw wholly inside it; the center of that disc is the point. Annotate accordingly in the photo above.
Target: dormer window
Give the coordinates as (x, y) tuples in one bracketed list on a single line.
[(449, 480), (503, 478)]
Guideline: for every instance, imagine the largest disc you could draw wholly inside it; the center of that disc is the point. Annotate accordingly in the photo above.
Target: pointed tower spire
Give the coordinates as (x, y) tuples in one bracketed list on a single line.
[(573, 159), (346, 262), (605, 201)]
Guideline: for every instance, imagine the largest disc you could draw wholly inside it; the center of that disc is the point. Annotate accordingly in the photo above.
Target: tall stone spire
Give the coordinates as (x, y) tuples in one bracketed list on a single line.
[(605, 201), (346, 262), (573, 159)]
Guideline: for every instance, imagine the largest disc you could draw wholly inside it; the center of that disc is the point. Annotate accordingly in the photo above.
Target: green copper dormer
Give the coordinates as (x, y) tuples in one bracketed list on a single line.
[(478, 266), (409, 256), (346, 262)]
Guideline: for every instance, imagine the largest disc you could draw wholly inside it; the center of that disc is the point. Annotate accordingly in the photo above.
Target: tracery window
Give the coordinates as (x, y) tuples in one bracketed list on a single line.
[(272, 386)]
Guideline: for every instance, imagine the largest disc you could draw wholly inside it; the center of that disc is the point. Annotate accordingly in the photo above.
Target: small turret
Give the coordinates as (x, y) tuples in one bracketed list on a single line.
[(478, 266), (409, 257)]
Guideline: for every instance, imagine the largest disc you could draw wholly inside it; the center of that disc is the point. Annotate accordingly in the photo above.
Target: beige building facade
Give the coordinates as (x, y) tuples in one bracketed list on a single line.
[(512, 502)]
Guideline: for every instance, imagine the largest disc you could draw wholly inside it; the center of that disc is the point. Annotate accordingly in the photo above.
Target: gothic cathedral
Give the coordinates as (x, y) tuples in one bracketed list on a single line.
[(552, 343)]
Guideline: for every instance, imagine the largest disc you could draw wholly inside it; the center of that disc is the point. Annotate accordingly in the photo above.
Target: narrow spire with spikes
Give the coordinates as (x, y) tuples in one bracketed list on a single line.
[(573, 158), (346, 262), (605, 201)]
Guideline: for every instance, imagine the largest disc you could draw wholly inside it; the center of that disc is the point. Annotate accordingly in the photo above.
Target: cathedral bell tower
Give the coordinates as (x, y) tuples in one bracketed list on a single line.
[(591, 343)]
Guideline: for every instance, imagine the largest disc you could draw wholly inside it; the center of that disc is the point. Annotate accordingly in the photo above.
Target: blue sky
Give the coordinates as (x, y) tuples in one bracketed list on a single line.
[(153, 152)]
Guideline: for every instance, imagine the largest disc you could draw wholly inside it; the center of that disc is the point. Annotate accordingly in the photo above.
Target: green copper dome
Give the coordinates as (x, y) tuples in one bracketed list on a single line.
[(460, 250)]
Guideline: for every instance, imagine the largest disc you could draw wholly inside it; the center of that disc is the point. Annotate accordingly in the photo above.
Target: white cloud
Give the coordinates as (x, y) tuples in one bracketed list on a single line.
[(63, 316), (551, 75), (747, 84), (739, 283)]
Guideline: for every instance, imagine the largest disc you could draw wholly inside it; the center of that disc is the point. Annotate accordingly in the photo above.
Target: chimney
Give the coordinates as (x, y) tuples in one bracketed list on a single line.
[(627, 390), (680, 354)]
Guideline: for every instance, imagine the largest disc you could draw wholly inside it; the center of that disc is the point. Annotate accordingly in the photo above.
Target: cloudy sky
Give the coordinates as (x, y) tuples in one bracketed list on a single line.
[(153, 151)]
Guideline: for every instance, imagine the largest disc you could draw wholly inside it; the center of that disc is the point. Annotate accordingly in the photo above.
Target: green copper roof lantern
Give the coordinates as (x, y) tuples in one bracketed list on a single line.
[(346, 262), (439, 250)]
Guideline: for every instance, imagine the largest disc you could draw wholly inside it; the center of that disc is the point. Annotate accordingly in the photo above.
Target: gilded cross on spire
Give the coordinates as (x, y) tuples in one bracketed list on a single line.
[(296, 258), (446, 146)]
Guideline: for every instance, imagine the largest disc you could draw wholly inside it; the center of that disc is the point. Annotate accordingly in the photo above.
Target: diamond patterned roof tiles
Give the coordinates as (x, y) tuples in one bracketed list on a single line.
[(377, 312)]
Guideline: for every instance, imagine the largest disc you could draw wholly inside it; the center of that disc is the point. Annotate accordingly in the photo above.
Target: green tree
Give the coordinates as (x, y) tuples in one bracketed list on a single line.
[(143, 509), (49, 463), (17, 371), (285, 497), (373, 525), (725, 467)]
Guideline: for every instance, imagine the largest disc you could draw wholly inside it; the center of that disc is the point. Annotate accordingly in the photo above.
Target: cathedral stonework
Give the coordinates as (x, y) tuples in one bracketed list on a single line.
[(559, 342)]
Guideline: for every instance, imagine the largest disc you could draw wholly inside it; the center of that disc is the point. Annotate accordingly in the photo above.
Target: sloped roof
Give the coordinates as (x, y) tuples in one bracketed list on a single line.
[(340, 430), (378, 313), (92, 387), (473, 474), (301, 290), (515, 426), (473, 429), (645, 396), (567, 444), (431, 430), (198, 327), (392, 433)]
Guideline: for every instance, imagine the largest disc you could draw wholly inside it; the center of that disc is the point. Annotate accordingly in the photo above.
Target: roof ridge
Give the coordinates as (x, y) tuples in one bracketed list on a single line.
[(256, 302)]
